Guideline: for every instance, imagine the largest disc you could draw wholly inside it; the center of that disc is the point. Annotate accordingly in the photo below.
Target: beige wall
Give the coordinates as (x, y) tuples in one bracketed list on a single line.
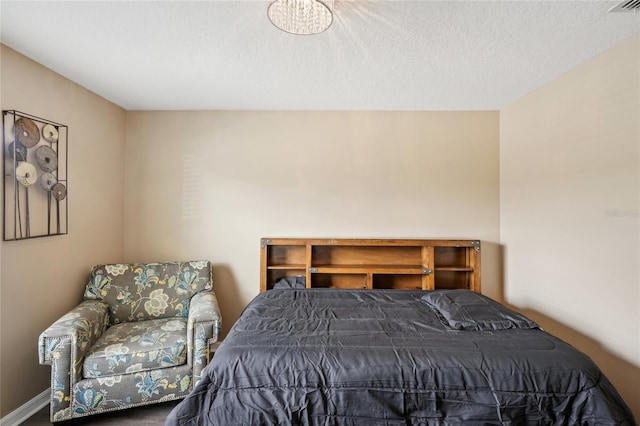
[(569, 218), (210, 184), (44, 277)]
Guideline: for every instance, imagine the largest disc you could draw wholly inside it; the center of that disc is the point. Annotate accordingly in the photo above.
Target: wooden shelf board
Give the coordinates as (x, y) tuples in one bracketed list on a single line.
[(373, 269), (368, 242), (296, 266), (454, 268)]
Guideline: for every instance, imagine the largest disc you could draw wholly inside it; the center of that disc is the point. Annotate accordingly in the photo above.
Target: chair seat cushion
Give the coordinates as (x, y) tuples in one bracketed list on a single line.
[(131, 347)]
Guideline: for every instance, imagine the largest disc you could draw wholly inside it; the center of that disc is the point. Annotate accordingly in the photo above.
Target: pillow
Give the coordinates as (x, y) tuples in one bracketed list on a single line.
[(290, 282), (467, 310)]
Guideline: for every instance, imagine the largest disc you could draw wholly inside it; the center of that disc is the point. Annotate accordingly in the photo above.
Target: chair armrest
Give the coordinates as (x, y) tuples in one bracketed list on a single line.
[(203, 327), (81, 326), (63, 346)]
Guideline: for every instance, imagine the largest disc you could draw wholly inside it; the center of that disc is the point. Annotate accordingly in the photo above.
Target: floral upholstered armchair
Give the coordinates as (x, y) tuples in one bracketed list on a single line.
[(141, 336)]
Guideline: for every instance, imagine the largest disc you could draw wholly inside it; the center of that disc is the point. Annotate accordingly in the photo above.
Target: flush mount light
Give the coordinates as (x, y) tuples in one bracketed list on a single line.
[(301, 16)]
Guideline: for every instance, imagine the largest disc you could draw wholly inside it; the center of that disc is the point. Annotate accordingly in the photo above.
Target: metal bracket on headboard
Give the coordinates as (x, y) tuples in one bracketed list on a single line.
[(264, 242), (426, 271), (476, 244), (313, 270)]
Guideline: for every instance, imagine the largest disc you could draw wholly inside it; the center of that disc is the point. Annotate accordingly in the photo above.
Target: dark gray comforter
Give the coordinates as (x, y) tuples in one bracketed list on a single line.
[(395, 357)]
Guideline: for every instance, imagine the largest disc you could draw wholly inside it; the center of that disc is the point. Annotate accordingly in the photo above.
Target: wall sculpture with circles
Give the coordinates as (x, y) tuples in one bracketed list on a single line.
[(35, 176)]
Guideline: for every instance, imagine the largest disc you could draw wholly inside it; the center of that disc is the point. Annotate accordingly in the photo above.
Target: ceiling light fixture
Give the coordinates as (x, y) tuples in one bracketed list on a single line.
[(301, 16)]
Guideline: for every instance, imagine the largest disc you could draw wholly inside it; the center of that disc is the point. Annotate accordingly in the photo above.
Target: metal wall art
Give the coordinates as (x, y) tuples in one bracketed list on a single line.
[(35, 176)]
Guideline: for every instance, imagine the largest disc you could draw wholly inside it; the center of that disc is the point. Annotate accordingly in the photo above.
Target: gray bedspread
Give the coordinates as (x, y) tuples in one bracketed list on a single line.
[(395, 357)]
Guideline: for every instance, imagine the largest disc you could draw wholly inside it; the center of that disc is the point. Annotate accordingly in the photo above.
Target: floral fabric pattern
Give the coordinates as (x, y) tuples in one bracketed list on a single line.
[(141, 336), (157, 303), (69, 338), (132, 347), (144, 291), (92, 396), (203, 327)]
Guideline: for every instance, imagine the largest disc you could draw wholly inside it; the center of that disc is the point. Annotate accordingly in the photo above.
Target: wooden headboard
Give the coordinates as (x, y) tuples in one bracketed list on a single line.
[(409, 264)]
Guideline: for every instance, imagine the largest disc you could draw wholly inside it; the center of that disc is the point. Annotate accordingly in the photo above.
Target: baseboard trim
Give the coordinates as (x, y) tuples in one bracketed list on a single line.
[(27, 409)]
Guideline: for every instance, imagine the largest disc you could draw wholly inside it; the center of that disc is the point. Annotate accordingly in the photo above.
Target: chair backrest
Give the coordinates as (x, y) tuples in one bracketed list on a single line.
[(143, 291)]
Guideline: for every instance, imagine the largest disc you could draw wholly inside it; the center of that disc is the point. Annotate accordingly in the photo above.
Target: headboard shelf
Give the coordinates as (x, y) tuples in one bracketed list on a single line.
[(414, 264)]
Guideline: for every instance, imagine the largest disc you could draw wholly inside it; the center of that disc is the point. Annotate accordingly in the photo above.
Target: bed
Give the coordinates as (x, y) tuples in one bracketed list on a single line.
[(395, 357)]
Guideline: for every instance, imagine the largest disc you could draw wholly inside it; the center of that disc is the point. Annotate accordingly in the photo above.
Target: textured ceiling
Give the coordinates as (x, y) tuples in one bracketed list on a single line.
[(377, 55)]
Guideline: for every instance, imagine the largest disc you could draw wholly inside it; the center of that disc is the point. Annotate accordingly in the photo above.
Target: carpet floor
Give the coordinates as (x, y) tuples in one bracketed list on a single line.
[(149, 415)]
